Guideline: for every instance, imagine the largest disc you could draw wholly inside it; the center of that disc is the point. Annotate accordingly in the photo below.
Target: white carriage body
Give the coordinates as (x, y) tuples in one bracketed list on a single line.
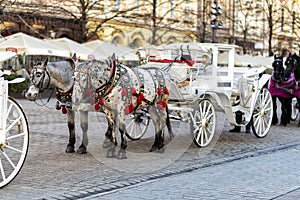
[(204, 76)]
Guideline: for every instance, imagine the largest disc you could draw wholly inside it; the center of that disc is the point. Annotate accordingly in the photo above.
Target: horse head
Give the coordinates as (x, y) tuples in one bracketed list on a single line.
[(290, 63), (278, 74), (39, 80)]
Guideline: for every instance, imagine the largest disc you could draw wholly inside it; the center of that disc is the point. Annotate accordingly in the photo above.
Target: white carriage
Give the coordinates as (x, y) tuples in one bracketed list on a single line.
[(14, 133), (202, 84)]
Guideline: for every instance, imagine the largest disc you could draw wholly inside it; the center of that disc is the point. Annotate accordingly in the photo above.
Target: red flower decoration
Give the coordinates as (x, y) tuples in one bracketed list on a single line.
[(129, 109), (164, 103), (64, 110), (96, 106), (101, 101), (159, 92), (166, 91), (133, 91)]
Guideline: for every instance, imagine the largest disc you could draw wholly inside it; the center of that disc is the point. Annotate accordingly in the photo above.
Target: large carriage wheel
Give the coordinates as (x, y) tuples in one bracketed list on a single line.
[(136, 125), (262, 114), (204, 124), (295, 109), (13, 152)]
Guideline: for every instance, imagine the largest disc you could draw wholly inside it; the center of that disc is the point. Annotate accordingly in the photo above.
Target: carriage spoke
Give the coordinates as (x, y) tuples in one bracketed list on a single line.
[(8, 110), (8, 159), (2, 170), (14, 149), (13, 123), (15, 136)]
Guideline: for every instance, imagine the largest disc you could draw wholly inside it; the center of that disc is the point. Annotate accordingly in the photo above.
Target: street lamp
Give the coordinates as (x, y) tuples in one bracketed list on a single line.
[(216, 10)]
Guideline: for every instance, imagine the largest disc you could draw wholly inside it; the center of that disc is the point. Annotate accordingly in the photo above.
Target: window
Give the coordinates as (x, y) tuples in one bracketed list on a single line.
[(117, 4), (187, 10), (137, 6), (172, 8)]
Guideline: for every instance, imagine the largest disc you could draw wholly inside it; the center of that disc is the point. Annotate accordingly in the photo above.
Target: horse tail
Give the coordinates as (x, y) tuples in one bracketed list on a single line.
[(168, 123)]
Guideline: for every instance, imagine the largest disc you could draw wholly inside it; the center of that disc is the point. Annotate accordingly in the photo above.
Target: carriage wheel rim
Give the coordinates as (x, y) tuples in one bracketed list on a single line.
[(137, 128), (205, 123), (12, 156), (262, 117)]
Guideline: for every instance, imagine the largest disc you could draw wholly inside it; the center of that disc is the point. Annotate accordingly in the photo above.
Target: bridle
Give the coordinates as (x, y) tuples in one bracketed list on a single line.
[(41, 84)]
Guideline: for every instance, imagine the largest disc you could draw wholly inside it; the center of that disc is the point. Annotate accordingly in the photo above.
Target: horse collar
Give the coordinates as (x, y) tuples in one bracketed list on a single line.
[(63, 96), (108, 86)]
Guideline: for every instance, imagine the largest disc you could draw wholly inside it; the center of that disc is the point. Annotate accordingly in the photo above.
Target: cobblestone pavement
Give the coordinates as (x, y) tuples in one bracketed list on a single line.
[(50, 173)]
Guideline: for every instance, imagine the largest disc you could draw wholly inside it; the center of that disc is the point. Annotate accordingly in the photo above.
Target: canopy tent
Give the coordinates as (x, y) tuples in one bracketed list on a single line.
[(82, 52), (5, 55), (106, 49), (22, 43)]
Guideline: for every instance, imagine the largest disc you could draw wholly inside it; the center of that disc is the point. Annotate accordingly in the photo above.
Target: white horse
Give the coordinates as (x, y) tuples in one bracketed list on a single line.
[(59, 74), (120, 90)]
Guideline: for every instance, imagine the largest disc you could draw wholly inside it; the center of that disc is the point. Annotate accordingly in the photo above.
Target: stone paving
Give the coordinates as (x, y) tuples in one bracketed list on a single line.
[(49, 173)]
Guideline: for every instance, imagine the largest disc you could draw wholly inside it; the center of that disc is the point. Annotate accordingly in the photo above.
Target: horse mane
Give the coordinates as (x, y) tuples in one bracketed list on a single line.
[(297, 67)]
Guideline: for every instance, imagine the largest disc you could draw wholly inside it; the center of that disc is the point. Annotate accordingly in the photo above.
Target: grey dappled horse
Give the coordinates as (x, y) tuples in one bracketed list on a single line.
[(120, 90), (59, 74)]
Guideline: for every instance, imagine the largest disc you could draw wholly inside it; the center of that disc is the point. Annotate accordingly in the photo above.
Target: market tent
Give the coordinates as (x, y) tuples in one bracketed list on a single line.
[(106, 49), (5, 55), (22, 43), (129, 55), (82, 52)]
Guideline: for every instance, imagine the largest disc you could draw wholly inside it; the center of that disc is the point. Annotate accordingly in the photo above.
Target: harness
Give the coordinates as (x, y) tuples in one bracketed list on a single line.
[(119, 76)]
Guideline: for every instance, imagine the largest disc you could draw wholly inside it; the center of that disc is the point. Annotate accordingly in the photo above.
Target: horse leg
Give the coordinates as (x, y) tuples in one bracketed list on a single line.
[(108, 137), (71, 126), (274, 119), (122, 151), (168, 123), (84, 127), (110, 116), (283, 119), (159, 135), (298, 104), (289, 109)]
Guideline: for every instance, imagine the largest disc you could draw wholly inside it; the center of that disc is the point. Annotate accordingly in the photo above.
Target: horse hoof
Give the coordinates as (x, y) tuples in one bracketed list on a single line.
[(111, 153), (70, 149), (106, 143), (153, 148), (161, 150), (122, 154), (82, 150)]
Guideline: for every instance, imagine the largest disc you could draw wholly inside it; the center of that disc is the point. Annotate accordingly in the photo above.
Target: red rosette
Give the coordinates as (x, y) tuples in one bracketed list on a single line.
[(166, 91), (64, 110), (159, 92), (101, 101), (133, 91)]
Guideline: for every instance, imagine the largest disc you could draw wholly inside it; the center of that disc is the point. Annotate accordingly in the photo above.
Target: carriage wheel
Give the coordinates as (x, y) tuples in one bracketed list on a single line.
[(136, 125), (204, 124), (262, 114), (295, 109), (14, 150)]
